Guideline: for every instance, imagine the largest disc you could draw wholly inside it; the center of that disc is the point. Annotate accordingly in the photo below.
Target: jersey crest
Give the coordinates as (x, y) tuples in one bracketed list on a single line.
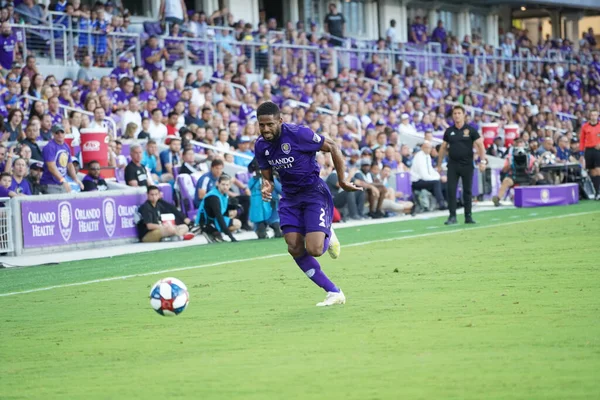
[(286, 148)]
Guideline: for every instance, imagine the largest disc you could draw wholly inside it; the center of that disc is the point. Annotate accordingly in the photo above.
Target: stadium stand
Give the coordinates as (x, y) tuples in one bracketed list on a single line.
[(201, 79)]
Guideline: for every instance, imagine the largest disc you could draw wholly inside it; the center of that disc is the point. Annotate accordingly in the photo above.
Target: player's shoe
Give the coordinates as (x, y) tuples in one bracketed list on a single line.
[(335, 248), (332, 299), (496, 201)]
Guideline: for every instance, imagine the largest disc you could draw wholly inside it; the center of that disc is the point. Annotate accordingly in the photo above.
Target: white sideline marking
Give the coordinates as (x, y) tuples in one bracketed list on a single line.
[(169, 271), (406, 231), (432, 227)]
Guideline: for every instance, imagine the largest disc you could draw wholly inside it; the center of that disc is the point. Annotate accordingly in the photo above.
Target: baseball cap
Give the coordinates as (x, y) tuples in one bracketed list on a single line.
[(380, 122), (245, 139), (124, 58), (37, 165), (57, 128), (366, 150), (404, 116), (365, 162), (347, 137), (574, 140), (355, 153)]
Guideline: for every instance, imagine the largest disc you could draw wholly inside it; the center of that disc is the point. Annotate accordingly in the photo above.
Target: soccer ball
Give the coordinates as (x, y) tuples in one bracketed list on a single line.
[(169, 297)]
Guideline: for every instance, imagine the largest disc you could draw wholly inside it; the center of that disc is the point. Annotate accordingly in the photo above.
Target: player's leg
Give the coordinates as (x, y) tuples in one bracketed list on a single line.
[(592, 162), (452, 183), (467, 181)]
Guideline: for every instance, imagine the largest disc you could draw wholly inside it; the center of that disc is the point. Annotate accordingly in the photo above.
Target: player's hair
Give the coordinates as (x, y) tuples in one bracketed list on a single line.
[(216, 163), (268, 108), (152, 187), (224, 178), (89, 165), (459, 107)]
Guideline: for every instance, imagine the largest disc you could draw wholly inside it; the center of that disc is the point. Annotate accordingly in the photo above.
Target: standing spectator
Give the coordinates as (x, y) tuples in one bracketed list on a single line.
[(58, 164), (31, 13), (152, 55), (244, 148), (335, 25), (8, 47), (390, 34), (418, 32), (135, 173), (459, 140), (151, 228), (35, 174), (173, 11), (93, 181), (439, 35), (590, 146), (20, 184), (424, 176)]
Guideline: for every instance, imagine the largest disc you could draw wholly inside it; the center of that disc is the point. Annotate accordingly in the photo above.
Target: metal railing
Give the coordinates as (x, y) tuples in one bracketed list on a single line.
[(242, 88), (6, 227), (41, 40)]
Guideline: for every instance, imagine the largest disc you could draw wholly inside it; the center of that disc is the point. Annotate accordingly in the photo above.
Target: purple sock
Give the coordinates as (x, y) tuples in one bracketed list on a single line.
[(310, 266), (325, 244)]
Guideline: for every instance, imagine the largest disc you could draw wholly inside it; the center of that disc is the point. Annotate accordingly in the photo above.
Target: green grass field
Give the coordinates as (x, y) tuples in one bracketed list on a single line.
[(509, 309)]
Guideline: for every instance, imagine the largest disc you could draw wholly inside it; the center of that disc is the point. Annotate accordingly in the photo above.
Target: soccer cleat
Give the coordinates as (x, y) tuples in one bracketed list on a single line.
[(188, 236), (469, 220), (332, 299), (335, 248), (451, 221)]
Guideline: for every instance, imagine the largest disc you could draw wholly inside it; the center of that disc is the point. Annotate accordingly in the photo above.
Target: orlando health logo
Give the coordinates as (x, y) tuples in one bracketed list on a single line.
[(109, 211), (65, 220)]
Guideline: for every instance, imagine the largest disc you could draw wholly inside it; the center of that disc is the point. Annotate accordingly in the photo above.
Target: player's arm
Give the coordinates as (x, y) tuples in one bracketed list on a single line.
[(267, 184), (582, 138), (441, 155), (330, 147), (482, 156)]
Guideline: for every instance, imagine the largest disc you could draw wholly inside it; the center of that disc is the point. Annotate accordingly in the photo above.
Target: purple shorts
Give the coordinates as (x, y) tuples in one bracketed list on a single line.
[(309, 211)]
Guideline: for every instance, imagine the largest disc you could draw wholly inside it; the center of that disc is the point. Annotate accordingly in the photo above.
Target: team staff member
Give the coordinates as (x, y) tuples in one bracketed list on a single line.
[(589, 145), (150, 227), (459, 140)]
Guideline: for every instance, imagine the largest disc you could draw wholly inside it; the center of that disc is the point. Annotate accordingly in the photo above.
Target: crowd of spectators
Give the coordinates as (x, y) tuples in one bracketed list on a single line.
[(167, 106)]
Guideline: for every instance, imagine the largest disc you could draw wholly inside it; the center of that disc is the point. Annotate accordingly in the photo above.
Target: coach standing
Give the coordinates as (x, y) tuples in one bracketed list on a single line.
[(458, 141), (589, 142)]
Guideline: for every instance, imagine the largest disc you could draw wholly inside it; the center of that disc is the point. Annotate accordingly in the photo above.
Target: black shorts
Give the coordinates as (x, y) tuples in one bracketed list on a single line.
[(592, 158)]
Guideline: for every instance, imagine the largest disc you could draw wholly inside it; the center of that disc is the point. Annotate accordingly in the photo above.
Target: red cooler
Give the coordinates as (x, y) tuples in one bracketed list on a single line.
[(69, 142), (94, 146), (511, 132), (489, 131)]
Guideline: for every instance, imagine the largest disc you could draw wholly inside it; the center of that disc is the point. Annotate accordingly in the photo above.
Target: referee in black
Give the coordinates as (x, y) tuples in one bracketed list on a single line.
[(458, 141)]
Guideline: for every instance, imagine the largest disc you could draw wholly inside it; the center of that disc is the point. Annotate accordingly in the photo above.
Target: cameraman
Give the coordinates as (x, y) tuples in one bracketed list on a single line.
[(520, 169), (216, 213)]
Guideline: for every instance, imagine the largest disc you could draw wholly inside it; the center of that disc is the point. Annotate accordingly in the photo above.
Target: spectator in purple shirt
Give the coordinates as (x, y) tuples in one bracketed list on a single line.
[(152, 55), (123, 70), (418, 32), (20, 185), (54, 110), (574, 86), (58, 163), (373, 69), (8, 45), (439, 35)]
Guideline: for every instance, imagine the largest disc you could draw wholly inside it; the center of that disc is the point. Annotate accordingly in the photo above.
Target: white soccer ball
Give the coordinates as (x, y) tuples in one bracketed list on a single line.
[(169, 297)]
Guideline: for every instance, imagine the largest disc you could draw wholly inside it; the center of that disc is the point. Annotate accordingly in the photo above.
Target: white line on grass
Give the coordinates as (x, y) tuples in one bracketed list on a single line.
[(216, 264)]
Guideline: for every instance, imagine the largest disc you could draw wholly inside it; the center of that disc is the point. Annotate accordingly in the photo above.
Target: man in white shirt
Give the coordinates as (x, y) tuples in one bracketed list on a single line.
[(406, 127), (132, 115), (157, 130), (424, 176), (99, 121), (390, 34)]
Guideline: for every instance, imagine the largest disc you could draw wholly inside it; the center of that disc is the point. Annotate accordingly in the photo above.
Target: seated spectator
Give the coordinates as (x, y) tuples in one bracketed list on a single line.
[(208, 181), (144, 133), (216, 215), (152, 55), (563, 153), (394, 201), (354, 202), (424, 177), (93, 181), (152, 228), (32, 131), (116, 159), (58, 163), (156, 129), (132, 115), (405, 126), (151, 160), (170, 158), (135, 173), (189, 166), (35, 174), (20, 185), (244, 148), (375, 191)]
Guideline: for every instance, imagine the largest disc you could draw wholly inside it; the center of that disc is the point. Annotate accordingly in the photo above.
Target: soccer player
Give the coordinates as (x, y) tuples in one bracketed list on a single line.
[(306, 206)]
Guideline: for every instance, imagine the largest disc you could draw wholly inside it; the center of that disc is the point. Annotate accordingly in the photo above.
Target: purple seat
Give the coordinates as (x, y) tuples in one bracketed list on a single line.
[(404, 185), (176, 171), (187, 189), (120, 175), (167, 192), (153, 28), (195, 177)]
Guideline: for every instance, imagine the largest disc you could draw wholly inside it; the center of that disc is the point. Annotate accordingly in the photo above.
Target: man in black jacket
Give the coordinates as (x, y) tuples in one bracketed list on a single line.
[(151, 227)]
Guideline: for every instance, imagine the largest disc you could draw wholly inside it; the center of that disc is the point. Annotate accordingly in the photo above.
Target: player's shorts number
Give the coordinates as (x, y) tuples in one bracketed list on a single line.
[(322, 218)]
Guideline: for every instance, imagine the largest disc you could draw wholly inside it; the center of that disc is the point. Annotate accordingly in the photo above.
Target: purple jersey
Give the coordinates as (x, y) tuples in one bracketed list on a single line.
[(7, 50), (22, 187), (56, 118), (121, 73), (149, 52), (60, 154), (292, 154)]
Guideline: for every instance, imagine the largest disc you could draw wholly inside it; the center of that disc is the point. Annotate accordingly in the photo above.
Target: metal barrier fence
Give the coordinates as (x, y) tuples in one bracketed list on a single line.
[(6, 227)]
